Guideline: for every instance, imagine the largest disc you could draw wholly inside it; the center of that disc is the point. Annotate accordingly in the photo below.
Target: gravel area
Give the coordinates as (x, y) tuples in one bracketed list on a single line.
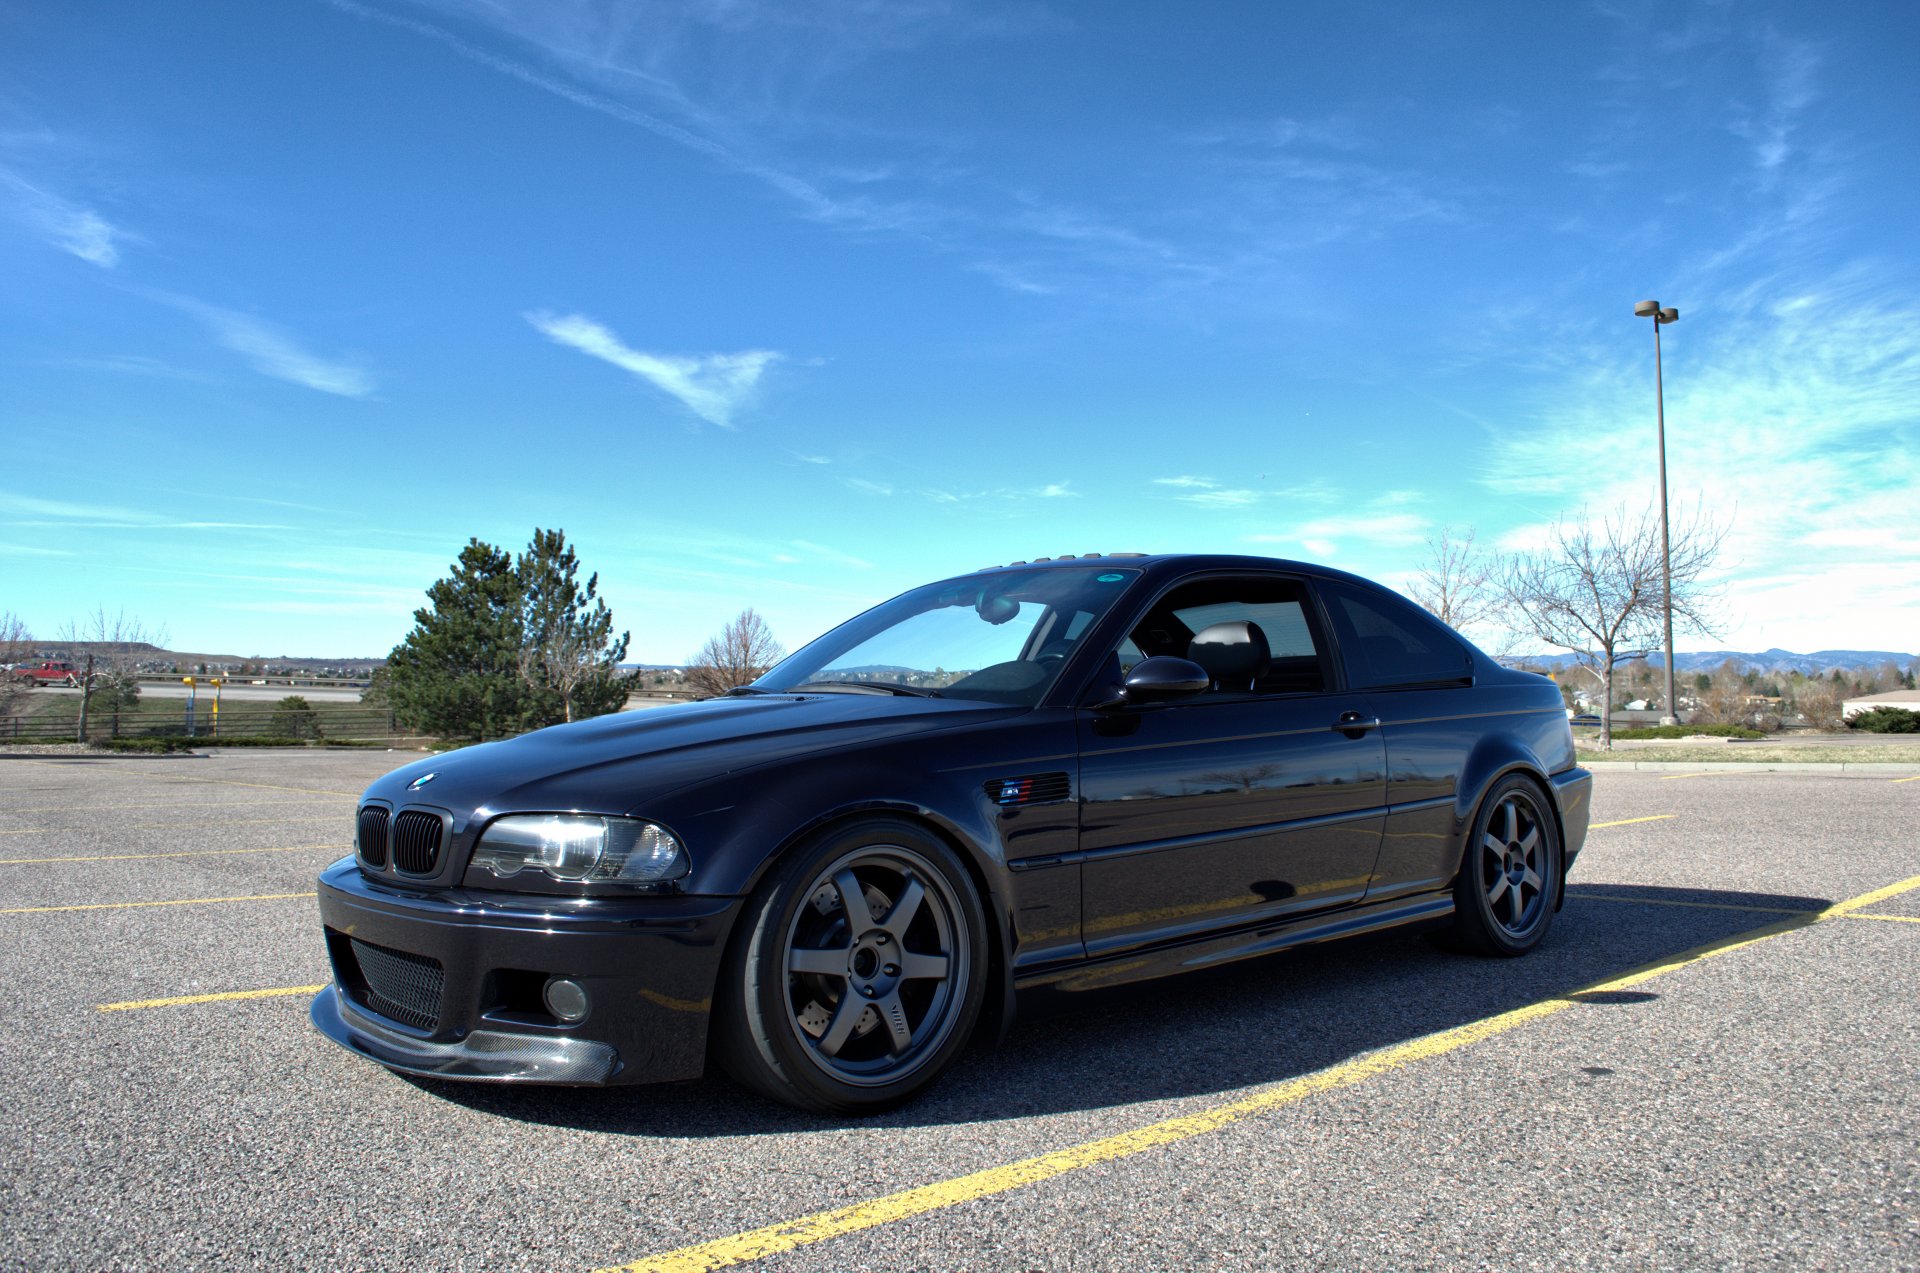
[(1753, 1110)]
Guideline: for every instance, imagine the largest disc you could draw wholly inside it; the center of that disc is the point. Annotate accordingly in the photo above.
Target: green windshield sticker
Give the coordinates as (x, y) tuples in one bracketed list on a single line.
[(1110, 578)]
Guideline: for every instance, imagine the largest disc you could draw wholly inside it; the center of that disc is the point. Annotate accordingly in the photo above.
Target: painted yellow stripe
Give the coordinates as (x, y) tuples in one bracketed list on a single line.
[(1627, 822), (1898, 919), (178, 1000), (121, 906), (1865, 900), (1705, 773), (190, 853), (173, 826), (1915, 778), (790, 1235), (218, 782), (1705, 906), (160, 804)]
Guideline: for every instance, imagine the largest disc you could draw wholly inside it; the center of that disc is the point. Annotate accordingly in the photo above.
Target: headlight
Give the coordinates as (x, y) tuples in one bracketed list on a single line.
[(579, 850)]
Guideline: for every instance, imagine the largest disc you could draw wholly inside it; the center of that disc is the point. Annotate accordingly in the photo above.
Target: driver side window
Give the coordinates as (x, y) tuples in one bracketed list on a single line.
[(1254, 635)]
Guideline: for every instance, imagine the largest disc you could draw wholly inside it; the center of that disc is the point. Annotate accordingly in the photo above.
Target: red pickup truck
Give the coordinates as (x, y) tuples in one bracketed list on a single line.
[(47, 672)]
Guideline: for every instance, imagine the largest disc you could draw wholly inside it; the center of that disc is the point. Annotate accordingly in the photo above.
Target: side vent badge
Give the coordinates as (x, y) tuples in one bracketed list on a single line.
[(1032, 789)]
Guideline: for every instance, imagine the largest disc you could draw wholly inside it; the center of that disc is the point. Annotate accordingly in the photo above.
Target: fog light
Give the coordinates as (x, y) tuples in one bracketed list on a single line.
[(566, 999)]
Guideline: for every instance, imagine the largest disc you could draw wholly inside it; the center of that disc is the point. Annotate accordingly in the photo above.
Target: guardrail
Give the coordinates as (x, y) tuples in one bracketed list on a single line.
[(348, 723), (240, 678)]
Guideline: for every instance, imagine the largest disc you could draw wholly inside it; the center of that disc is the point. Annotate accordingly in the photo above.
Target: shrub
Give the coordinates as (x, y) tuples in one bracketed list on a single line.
[(1688, 731), (1886, 720), (145, 746), (294, 717)]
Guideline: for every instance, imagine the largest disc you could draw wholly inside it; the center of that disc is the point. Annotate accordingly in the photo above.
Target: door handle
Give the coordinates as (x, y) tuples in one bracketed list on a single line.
[(1354, 723)]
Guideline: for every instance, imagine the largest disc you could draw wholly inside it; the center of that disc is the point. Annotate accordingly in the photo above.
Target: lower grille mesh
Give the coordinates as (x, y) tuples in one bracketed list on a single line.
[(401, 986)]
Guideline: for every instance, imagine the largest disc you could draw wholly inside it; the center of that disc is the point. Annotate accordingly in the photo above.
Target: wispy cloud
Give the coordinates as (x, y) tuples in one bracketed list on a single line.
[(34, 511), (272, 351), (712, 386), (1374, 528), (63, 223), (832, 554), (871, 488)]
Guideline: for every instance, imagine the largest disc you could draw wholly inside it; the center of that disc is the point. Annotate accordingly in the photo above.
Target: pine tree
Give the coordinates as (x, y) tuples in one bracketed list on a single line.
[(457, 673)]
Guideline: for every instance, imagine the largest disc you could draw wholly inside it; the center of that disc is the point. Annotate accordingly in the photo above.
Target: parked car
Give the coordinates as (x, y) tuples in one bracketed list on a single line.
[(47, 672), (1070, 773)]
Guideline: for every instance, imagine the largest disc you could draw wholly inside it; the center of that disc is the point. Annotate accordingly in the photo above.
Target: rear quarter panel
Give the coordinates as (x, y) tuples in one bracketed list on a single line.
[(1445, 748)]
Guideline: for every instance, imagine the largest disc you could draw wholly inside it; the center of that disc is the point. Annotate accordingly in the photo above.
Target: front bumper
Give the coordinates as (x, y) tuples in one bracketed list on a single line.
[(649, 965)]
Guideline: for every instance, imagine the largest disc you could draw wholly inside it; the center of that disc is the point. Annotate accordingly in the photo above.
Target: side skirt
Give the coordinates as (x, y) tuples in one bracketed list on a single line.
[(1250, 943)]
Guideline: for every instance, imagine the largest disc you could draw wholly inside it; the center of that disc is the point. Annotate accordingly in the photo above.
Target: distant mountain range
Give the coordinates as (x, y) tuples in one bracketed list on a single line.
[(1777, 662)]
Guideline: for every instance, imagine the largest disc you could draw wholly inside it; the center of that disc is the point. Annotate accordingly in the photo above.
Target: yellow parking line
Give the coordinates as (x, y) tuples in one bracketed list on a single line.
[(789, 1235), (176, 826), (1865, 900), (191, 853), (1915, 778), (1705, 906), (1705, 773), (1898, 919), (157, 804), (120, 906), (177, 1000), (219, 782), (1627, 822)]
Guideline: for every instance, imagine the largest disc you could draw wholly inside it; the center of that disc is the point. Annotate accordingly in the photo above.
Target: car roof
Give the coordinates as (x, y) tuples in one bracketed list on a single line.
[(1166, 564)]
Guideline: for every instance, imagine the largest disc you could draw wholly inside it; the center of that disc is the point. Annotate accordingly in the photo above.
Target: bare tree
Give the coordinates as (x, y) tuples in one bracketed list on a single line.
[(1457, 582), (16, 645), (1595, 590), (109, 647), (1819, 702), (744, 649)]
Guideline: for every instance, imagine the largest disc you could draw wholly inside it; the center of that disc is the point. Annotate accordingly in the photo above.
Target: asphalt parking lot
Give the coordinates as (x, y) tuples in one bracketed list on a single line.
[(1714, 1062)]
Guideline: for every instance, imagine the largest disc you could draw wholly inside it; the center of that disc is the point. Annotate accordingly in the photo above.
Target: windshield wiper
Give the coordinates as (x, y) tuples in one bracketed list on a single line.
[(889, 687), (741, 691)]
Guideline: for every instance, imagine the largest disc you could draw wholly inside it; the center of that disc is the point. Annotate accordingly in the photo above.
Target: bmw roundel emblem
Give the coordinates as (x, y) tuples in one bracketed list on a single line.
[(422, 781)]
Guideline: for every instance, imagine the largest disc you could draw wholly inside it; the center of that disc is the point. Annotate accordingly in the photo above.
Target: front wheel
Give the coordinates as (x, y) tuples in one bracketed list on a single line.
[(861, 971), (1509, 880)]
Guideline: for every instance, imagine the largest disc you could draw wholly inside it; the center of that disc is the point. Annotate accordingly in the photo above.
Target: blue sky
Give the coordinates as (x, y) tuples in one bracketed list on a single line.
[(796, 306)]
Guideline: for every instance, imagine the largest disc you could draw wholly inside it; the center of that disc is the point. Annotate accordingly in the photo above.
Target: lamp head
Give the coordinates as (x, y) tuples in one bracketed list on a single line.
[(1669, 315), (1646, 309)]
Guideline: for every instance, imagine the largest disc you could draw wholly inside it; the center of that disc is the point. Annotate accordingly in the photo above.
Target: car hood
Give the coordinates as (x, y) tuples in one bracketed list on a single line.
[(619, 763)]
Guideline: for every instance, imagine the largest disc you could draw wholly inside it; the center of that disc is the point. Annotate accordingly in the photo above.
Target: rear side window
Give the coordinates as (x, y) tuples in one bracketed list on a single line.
[(1387, 641)]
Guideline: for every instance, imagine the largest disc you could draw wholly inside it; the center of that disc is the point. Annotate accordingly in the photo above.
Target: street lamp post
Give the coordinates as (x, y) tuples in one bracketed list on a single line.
[(1661, 317)]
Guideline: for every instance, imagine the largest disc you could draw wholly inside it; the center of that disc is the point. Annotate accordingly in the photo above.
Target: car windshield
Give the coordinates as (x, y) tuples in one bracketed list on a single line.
[(998, 638)]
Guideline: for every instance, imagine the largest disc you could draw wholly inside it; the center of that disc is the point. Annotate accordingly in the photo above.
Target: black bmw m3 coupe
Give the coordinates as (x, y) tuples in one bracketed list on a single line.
[(1073, 773)]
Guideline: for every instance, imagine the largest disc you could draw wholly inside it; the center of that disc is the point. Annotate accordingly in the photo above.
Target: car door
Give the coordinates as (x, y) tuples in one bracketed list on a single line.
[(1418, 675), (1237, 805)]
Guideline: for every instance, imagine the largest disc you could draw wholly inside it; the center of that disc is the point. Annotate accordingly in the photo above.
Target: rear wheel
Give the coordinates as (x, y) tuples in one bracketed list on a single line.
[(860, 974), (1509, 880)]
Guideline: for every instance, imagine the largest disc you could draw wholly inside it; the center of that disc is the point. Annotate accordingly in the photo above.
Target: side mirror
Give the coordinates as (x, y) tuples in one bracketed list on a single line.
[(1163, 678)]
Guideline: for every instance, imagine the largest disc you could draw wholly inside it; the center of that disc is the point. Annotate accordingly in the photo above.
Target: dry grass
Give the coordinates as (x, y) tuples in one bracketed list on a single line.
[(1760, 753)]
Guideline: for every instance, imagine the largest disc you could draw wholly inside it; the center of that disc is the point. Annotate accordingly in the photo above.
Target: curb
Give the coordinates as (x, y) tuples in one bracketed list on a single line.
[(1859, 768)]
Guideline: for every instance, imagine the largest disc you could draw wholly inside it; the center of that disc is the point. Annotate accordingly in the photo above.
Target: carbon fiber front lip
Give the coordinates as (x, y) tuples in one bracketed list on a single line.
[(485, 1056)]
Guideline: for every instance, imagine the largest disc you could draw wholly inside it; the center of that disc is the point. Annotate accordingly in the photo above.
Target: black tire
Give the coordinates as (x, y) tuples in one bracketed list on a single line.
[(853, 1008), (1510, 880)]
